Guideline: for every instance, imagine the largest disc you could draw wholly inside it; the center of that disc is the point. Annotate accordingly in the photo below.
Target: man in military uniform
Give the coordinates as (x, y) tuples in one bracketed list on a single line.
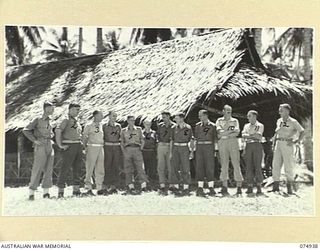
[(112, 152), (205, 137), (39, 131), (164, 132), (181, 149), (68, 138), (252, 133), (93, 143), (132, 143), (149, 151), (228, 130), (288, 132)]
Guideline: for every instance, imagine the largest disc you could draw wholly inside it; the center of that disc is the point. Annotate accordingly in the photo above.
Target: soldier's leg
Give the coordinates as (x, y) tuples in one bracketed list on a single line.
[(224, 161), (68, 157), (138, 162), (235, 160), (146, 162), (99, 168), (128, 167), (185, 166), (200, 165), (257, 159), (209, 164), (108, 165), (277, 162), (47, 174), (40, 159), (248, 158), (116, 166), (174, 169), (77, 166), (288, 162), (91, 158)]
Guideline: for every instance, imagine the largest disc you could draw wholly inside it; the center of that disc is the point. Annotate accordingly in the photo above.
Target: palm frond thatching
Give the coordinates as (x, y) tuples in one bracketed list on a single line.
[(141, 81)]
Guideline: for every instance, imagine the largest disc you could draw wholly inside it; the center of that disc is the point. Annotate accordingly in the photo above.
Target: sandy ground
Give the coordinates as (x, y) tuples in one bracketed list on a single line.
[(16, 204)]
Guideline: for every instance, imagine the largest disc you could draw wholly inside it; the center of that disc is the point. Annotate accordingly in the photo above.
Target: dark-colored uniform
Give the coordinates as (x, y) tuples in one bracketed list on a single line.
[(40, 129), (73, 156), (112, 153), (205, 135), (253, 153), (133, 159), (180, 137), (163, 150), (149, 154)]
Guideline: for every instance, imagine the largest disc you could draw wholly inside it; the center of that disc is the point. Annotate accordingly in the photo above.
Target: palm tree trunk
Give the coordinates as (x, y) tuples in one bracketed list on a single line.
[(64, 36), (80, 42), (99, 41), (257, 33), (307, 53)]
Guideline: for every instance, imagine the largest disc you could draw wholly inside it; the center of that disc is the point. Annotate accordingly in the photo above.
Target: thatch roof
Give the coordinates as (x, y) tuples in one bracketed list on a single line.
[(145, 80)]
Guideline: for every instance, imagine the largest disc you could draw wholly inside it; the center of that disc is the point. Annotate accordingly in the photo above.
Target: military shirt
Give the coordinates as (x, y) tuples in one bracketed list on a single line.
[(111, 133), (164, 132), (93, 133), (182, 134), (250, 129), (149, 139), (205, 132), (288, 129), (39, 128), (70, 129), (132, 136), (231, 124)]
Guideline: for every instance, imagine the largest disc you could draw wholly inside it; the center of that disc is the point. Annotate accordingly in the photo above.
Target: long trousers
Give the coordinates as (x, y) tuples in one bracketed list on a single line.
[(205, 162), (112, 162), (42, 163), (283, 155), (164, 164), (150, 163), (71, 158), (180, 165), (229, 148), (253, 161), (94, 164), (133, 160)]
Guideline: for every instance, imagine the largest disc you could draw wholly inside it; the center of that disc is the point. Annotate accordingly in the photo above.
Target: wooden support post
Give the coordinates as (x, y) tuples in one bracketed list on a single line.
[(19, 152)]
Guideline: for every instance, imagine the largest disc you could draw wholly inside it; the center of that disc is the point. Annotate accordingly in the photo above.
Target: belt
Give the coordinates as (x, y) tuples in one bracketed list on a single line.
[(182, 144), (205, 142), (112, 143), (148, 149), (133, 145), (70, 141), (253, 141), (164, 143), (284, 139), (95, 144)]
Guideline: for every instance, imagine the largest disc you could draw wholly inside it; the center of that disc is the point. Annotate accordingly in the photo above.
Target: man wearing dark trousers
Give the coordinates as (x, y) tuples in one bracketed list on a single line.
[(181, 150), (68, 138), (253, 152), (112, 153), (205, 137)]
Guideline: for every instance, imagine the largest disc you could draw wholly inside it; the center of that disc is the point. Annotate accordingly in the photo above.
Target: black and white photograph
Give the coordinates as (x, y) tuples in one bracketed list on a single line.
[(103, 120)]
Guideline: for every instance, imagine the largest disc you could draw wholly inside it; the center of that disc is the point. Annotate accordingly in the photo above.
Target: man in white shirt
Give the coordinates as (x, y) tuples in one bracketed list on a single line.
[(253, 152)]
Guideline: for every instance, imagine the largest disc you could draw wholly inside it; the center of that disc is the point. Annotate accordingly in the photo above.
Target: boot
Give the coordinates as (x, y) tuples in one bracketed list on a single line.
[(31, 197), (212, 193), (200, 192), (289, 188), (224, 191), (249, 190), (46, 196), (276, 187)]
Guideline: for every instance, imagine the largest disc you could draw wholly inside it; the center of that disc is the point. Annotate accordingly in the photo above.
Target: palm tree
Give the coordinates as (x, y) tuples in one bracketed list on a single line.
[(80, 42), (16, 37), (61, 48)]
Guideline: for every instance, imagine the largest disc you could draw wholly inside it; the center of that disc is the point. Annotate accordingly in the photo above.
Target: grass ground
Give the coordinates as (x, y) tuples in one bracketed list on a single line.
[(16, 204)]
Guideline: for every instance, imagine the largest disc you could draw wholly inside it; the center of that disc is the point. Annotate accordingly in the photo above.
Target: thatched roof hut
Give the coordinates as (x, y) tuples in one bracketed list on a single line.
[(184, 74)]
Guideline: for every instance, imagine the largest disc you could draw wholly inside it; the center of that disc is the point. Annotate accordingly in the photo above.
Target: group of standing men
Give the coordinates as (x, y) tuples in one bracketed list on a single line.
[(170, 148)]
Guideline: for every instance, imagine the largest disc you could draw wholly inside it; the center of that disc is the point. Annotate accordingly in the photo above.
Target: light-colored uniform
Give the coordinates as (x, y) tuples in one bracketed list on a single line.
[(93, 134), (40, 129), (131, 140), (205, 136), (163, 150), (283, 153), (229, 148), (253, 153)]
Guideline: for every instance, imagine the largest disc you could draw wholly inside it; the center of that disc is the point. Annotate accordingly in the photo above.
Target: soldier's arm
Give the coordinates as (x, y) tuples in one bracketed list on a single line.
[(28, 131), (300, 130), (122, 142), (236, 131), (85, 136), (142, 140)]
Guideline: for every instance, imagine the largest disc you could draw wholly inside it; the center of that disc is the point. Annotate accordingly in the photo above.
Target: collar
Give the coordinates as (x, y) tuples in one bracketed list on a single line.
[(134, 128), (254, 123), (45, 118), (289, 119), (95, 123), (112, 125), (184, 125), (71, 117), (169, 124), (203, 124)]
